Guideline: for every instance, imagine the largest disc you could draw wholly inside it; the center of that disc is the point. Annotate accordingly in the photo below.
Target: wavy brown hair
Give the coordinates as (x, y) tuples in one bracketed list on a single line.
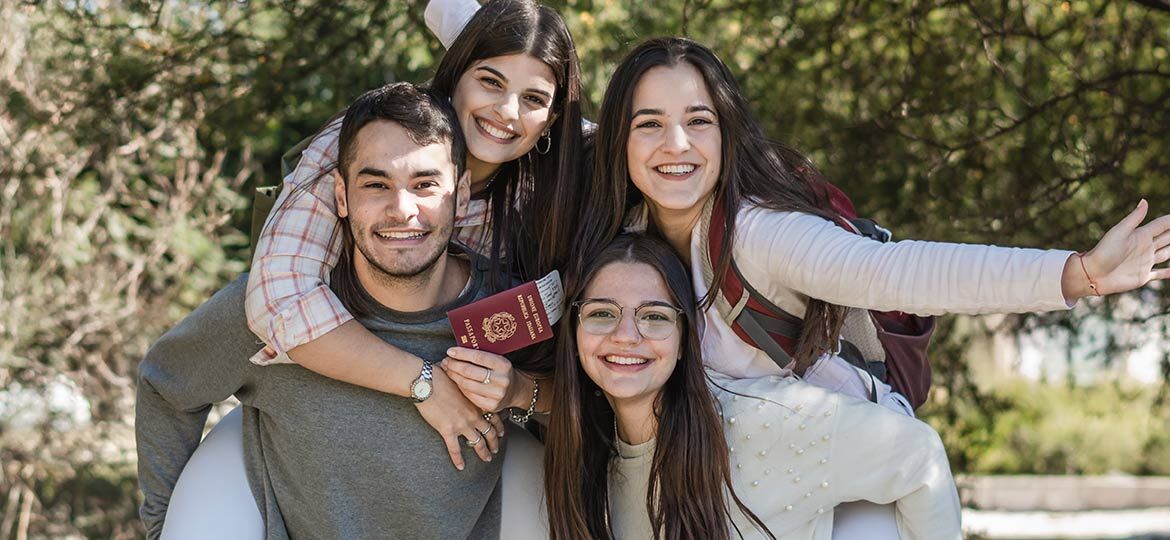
[(755, 169), (690, 491)]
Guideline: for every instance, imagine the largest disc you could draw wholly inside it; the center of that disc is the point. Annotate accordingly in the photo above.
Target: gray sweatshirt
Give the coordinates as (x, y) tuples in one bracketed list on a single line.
[(325, 459)]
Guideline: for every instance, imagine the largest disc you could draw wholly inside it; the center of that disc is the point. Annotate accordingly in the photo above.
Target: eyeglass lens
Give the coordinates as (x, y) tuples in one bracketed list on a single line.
[(654, 321)]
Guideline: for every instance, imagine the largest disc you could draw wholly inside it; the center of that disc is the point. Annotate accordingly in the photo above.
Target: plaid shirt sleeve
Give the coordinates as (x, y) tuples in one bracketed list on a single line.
[(289, 302)]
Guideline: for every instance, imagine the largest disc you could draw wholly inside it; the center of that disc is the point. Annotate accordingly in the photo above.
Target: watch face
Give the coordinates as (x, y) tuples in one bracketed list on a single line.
[(421, 389)]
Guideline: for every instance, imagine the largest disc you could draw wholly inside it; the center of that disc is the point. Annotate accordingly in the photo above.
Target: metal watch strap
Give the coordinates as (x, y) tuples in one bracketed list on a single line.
[(425, 375)]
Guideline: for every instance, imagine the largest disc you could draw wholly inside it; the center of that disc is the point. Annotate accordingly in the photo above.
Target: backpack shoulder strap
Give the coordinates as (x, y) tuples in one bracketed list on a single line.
[(754, 318), (736, 289), (762, 323)]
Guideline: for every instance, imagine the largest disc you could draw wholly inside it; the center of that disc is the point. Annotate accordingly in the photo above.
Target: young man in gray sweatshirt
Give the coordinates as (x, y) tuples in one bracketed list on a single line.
[(326, 459)]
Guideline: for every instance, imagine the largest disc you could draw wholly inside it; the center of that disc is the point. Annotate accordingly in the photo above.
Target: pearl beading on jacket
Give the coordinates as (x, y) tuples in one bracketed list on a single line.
[(793, 435)]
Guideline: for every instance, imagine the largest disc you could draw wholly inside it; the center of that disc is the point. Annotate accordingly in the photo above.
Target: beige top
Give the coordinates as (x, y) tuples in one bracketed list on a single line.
[(797, 452), (629, 478)]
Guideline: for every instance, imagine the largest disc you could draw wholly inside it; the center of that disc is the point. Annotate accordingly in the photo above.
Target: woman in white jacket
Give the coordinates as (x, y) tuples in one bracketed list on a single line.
[(676, 139)]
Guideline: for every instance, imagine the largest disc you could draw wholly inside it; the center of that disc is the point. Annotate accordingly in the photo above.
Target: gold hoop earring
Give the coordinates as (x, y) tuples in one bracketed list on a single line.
[(547, 140)]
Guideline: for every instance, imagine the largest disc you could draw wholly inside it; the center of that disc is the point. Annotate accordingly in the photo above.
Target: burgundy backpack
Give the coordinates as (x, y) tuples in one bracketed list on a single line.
[(903, 336)]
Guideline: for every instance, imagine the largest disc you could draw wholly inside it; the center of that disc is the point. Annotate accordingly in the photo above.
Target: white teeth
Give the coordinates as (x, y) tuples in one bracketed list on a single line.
[(498, 133), (401, 235), (676, 169), (625, 360)]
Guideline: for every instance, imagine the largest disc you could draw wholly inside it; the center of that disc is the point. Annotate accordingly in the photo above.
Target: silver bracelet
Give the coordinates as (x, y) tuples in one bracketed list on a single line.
[(523, 418)]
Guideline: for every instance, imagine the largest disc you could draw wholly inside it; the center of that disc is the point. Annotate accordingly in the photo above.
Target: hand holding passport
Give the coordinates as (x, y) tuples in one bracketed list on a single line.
[(510, 320)]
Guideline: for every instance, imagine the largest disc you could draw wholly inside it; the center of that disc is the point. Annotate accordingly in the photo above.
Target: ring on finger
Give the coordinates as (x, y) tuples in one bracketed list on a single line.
[(474, 443), (486, 430), (488, 416), (487, 378)]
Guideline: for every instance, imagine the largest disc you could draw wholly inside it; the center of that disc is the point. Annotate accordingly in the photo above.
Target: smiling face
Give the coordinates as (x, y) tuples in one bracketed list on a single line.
[(401, 201), (504, 104), (625, 365), (674, 147)]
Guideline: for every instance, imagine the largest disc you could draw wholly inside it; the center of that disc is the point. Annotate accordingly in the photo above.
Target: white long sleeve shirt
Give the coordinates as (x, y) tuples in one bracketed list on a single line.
[(790, 257)]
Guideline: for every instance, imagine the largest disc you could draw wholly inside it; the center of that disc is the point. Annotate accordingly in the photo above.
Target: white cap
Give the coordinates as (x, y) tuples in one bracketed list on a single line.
[(446, 18)]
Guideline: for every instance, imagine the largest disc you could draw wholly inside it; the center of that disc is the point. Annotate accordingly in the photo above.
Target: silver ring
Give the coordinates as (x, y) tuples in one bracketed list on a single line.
[(485, 430), (474, 443), (487, 379)]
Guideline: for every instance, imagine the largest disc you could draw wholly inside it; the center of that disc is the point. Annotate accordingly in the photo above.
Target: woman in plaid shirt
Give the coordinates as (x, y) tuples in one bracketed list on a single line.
[(512, 75)]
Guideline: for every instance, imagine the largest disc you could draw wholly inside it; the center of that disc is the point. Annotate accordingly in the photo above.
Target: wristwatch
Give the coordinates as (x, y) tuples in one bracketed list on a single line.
[(421, 388)]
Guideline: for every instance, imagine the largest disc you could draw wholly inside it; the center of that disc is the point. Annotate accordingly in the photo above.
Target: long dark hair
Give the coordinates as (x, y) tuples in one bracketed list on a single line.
[(690, 477), (755, 169), (534, 199)]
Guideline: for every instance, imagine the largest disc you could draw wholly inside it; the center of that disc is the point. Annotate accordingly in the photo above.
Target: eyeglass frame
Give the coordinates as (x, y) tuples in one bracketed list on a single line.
[(680, 313)]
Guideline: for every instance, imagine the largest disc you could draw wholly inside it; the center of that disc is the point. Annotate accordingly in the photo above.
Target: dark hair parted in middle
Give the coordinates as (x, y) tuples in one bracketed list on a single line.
[(535, 199), (755, 169), (690, 476), (426, 118)]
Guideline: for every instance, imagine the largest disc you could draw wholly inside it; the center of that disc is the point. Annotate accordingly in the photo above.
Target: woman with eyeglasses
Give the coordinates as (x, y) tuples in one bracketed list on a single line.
[(644, 442)]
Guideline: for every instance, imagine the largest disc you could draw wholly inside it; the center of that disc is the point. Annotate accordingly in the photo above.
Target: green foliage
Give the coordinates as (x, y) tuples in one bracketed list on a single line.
[(130, 130), (1061, 429)]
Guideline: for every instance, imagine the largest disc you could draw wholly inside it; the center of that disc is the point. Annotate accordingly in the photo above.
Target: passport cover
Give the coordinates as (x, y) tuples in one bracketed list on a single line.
[(507, 321)]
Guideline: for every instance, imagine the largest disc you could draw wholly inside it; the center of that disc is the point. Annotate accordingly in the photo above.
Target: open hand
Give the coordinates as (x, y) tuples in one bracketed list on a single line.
[(453, 416), (1124, 259), (487, 379)]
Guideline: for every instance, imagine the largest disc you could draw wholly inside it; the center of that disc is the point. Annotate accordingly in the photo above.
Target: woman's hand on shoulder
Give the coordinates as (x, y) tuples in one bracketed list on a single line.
[(1126, 258)]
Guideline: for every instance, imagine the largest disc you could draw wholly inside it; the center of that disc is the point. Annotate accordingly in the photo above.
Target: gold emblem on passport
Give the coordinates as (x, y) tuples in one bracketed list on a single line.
[(499, 327)]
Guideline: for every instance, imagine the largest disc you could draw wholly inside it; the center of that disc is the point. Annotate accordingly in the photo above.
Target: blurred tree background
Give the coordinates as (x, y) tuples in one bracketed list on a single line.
[(131, 132)]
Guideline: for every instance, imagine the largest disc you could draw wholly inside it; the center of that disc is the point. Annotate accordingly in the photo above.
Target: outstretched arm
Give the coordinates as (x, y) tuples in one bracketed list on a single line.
[(791, 256)]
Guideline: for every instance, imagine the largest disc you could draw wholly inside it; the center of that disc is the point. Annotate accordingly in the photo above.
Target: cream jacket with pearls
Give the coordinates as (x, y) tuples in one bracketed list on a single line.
[(797, 452)]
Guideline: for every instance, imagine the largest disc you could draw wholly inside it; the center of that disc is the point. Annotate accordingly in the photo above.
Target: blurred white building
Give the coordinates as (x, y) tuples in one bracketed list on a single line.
[(1141, 345)]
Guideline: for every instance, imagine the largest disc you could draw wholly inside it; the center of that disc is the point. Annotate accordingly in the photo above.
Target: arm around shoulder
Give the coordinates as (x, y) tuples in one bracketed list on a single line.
[(289, 302)]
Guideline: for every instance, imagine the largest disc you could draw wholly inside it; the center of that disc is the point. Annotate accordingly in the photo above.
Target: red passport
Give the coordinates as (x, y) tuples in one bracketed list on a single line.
[(510, 320)]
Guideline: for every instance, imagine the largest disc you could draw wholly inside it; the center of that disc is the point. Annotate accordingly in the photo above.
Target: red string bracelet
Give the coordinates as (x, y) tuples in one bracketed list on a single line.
[(1092, 284)]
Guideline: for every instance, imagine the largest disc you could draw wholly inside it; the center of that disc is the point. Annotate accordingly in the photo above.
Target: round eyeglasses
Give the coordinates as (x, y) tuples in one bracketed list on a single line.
[(654, 320)]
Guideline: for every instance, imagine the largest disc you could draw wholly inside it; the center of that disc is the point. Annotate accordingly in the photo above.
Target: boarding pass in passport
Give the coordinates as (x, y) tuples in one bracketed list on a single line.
[(511, 320)]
